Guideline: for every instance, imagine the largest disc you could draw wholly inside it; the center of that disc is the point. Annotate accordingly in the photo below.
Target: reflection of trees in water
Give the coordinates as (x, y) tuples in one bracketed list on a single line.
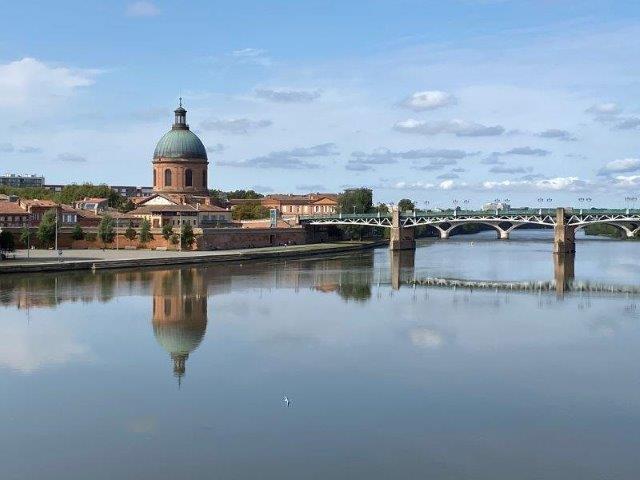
[(349, 275), (354, 289)]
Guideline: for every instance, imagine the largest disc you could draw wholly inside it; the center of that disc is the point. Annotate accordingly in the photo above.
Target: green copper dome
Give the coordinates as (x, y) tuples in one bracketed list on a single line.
[(180, 142)]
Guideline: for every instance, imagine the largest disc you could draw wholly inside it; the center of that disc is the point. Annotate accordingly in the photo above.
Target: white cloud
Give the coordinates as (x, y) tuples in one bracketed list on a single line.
[(30, 83), (238, 126), (142, 9), (627, 181), (459, 128), (607, 108), (625, 165), (287, 96), (551, 184), (428, 100), (248, 53), (627, 123), (293, 159), (557, 134), (536, 152), (507, 170), (71, 157), (251, 56)]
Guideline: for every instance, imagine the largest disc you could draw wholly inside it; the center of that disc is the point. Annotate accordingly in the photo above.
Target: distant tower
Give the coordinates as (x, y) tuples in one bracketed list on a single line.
[(180, 160)]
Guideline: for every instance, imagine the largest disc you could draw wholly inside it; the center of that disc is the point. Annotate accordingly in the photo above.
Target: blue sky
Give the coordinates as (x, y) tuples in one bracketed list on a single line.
[(436, 101)]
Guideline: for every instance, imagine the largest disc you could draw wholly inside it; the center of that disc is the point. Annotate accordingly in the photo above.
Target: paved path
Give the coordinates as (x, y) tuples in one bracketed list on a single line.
[(47, 260)]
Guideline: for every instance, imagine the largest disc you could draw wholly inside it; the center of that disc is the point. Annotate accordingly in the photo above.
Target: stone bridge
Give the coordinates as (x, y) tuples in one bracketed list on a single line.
[(564, 221)]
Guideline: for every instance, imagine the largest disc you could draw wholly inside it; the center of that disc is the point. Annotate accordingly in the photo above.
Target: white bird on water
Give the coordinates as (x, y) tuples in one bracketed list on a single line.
[(286, 401)]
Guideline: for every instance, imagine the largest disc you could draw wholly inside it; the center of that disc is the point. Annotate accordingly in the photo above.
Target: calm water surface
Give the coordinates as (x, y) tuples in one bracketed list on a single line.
[(180, 373)]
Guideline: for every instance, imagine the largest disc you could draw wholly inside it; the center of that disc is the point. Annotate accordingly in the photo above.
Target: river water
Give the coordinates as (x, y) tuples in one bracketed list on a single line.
[(181, 373)]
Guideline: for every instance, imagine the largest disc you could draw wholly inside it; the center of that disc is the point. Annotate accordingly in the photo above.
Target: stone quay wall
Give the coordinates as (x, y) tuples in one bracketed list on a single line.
[(205, 239)]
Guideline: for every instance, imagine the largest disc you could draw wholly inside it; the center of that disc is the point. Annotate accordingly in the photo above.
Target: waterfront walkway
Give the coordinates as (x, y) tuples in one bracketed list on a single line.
[(48, 260)]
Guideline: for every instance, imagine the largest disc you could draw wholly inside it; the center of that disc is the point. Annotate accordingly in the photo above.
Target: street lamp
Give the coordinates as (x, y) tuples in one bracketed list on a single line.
[(179, 231), (28, 237), (56, 241)]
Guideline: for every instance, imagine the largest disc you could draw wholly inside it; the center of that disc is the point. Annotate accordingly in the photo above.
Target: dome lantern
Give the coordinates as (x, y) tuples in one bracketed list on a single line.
[(180, 122)]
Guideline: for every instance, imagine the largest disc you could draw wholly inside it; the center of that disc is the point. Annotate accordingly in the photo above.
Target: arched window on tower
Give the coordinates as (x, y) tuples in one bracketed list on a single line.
[(188, 178), (154, 177), (167, 178), (204, 179)]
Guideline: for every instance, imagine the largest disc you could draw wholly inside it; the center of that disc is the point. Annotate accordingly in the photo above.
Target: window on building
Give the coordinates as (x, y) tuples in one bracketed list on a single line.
[(188, 178), (204, 179), (154, 178), (167, 178)]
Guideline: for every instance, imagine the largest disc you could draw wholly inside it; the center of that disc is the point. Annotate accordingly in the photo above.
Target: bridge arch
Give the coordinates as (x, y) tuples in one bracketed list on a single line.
[(503, 229), (628, 229)]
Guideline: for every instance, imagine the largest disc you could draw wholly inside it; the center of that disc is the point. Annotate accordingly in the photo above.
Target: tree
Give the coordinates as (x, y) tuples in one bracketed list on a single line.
[(187, 236), (167, 231), (130, 232), (77, 233), (145, 231), (106, 232), (250, 194), (47, 229), (174, 239), (358, 199), (250, 211), (406, 204), (382, 208), (25, 236), (7, 243), (126, 205)]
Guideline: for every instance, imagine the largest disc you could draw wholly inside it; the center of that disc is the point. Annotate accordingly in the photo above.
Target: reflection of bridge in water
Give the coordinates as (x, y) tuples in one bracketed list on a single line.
[(564, 221), (403, 273)]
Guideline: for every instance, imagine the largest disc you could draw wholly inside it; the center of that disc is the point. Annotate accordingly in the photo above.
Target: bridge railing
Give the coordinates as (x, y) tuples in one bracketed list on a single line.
[(513, 212)]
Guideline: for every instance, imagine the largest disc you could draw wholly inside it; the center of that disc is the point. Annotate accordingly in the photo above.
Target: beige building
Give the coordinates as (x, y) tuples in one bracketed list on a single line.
[(291, 205), (162, 210)]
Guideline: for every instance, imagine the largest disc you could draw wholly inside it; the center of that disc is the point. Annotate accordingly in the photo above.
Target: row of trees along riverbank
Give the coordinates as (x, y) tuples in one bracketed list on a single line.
[(607, 231), (44, 235)]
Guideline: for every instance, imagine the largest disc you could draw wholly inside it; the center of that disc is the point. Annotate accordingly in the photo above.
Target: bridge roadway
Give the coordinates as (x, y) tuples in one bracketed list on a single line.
[(565, 222)]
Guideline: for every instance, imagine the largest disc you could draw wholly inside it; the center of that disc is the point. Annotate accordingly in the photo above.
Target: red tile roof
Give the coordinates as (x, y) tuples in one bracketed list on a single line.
[(11, 208)]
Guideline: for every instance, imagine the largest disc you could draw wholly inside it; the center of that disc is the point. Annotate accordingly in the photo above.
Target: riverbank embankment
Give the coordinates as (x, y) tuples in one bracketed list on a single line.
[(49, 261)]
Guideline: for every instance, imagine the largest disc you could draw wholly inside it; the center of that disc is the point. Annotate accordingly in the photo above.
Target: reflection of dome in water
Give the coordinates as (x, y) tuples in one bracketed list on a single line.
[(179, 315), (178, 338)]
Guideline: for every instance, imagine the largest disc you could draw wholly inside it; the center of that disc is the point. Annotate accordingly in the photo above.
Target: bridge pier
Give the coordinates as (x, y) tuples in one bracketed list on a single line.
[(503, 234), (401, 238), (444, 234), (565, 236), (402, 266), (563, 272)]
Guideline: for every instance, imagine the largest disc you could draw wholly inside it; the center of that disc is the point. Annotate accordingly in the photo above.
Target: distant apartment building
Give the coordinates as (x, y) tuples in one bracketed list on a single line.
[(288, 204), (495, 206), (95, 205), (21, 181), (131, 191)]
